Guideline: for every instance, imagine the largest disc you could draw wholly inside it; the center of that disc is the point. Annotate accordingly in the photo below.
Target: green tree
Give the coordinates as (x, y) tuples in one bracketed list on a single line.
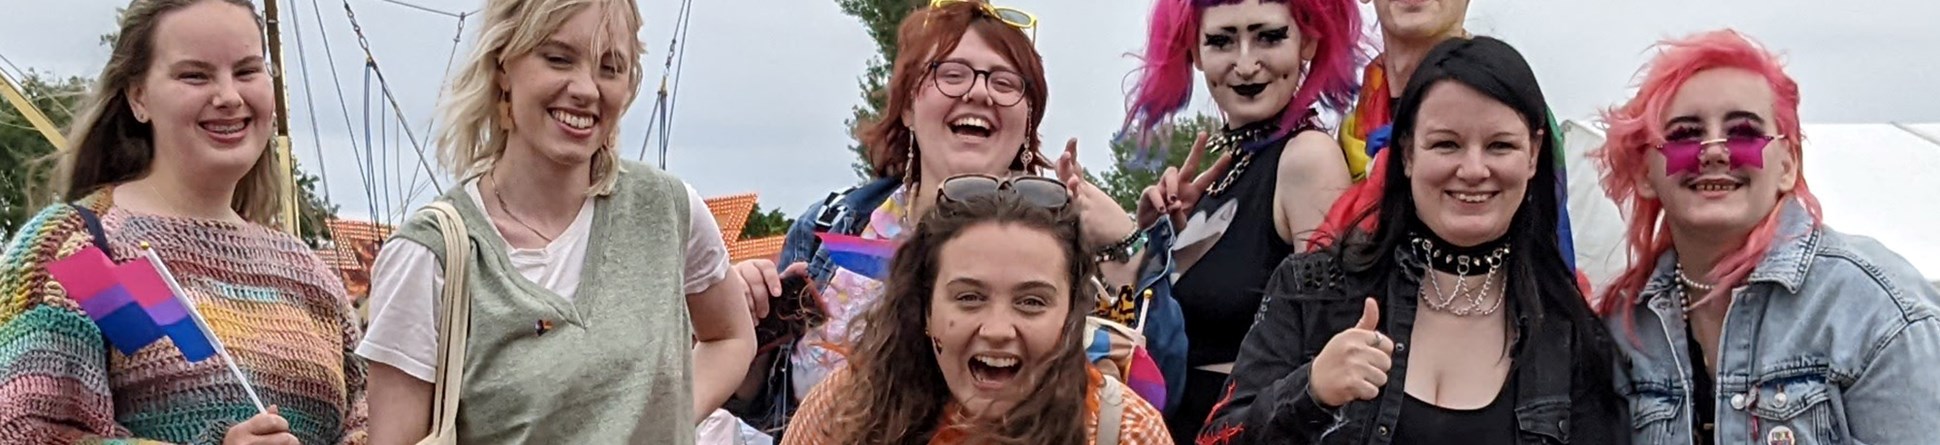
[(1134, 168), (22, 146), (313, 209), (880, 18), (765, 224)]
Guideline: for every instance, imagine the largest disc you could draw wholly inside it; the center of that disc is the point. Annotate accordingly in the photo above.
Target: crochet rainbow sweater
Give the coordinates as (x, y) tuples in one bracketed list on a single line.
[(279, 311)]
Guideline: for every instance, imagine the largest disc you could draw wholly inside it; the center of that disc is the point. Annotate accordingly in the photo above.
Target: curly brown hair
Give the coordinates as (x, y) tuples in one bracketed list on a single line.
[(927, 35), (897, 387)]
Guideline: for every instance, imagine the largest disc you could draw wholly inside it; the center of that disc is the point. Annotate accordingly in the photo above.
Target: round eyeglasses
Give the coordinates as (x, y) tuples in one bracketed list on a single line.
[(955, 79)]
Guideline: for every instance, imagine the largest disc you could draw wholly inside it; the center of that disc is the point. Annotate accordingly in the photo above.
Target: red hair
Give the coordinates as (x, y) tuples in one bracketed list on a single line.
[(930, 34), (1636, 129)]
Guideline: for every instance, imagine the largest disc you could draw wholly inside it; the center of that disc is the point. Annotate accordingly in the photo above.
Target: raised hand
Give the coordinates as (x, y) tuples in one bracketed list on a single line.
[(1179, 187), (1104, 222), (763, 283), (1354, 364)]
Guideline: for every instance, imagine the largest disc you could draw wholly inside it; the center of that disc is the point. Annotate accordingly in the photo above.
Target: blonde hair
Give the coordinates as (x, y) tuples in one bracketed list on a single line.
[(108, 146), (472, 138)]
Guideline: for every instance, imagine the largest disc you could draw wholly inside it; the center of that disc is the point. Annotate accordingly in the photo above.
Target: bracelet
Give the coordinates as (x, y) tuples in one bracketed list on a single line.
[(1120, 251)]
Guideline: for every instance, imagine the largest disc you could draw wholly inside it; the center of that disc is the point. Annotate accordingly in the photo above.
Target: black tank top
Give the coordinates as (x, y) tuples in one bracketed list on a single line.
[(1425, 423), (1221, 292)]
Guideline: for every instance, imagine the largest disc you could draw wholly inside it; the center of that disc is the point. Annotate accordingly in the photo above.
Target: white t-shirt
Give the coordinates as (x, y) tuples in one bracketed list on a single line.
[(406, 281)]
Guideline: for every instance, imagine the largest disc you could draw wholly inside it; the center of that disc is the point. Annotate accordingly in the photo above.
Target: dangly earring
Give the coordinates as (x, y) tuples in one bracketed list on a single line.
[(909, 161), (911, 187)]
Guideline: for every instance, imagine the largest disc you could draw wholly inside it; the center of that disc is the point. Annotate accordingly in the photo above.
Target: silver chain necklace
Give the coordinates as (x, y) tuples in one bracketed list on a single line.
[(1476, 303)]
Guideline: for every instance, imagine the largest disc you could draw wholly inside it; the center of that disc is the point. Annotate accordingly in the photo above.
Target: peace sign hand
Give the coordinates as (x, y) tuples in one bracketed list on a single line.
[(1174, 195)]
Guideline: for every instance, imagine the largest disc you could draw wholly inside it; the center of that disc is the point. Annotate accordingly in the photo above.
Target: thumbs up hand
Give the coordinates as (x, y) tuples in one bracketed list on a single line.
[(1354, 364)]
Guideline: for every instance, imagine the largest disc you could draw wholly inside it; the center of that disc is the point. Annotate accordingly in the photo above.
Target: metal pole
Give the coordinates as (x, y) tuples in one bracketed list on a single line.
[(47, 128), (285, 161)]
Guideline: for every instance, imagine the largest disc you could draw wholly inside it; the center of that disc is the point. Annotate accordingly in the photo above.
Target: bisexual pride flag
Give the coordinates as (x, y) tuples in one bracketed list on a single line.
[(133, 304), (864, 256), (138, 303)]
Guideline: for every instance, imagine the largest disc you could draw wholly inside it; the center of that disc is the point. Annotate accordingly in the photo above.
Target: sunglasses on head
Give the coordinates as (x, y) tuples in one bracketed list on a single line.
[(1037, 190), (1016, 18), (1687, 155)]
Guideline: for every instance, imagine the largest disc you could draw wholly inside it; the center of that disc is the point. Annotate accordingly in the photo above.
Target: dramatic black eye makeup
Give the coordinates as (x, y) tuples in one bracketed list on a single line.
[(1273, 36), (1224, 37), (1219, 40)]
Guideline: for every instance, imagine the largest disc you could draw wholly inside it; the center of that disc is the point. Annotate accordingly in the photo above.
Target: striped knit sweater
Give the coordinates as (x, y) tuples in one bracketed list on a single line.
[(267, 297)]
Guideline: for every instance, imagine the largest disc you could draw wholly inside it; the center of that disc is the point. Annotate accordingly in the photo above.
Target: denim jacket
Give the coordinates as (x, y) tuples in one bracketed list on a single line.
[(1832, 339), (842, 212), (1309, 299), (846, 213)]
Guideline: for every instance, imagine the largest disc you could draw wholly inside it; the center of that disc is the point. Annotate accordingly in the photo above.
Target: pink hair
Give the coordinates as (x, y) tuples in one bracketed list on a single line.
[(1165, 80), (1636, 129)]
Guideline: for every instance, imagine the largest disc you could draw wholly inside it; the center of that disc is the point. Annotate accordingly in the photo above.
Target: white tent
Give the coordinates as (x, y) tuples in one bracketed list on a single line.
[(1876, 180)]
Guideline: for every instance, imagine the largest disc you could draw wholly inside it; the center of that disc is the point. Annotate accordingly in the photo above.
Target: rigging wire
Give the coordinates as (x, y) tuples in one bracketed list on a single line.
[(429, 121), (384, 86), (673, 100), (676, 51), (309, 101), (457, 15), (370, 155), (343, 106)]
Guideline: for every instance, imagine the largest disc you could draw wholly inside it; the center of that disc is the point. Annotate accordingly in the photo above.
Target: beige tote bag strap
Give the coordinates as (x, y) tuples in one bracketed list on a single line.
[(1111, 411), (454, 325)]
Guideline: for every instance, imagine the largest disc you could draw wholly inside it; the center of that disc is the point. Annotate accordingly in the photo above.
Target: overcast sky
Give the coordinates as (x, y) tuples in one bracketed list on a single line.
[(768, 83)]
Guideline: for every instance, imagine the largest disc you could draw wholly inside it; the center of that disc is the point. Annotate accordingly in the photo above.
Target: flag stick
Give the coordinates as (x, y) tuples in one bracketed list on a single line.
[(196, 314)]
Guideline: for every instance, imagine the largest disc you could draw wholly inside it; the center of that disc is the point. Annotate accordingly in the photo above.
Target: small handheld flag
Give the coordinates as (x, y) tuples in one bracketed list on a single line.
[(158, 297), (90, 280), (868, 257), (202, 339), (137, 303)]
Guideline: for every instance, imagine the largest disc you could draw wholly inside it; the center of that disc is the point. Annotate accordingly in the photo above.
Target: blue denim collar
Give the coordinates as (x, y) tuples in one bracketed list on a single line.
[(1786, 263)]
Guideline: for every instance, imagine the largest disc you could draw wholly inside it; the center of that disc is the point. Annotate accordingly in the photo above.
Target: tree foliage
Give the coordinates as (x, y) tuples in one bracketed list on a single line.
[(1134, 168), (880, 18), (22, 146), (765, 224)]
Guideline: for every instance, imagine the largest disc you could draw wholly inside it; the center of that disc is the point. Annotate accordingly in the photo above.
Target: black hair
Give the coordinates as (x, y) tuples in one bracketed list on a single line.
[(1538, 284)]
